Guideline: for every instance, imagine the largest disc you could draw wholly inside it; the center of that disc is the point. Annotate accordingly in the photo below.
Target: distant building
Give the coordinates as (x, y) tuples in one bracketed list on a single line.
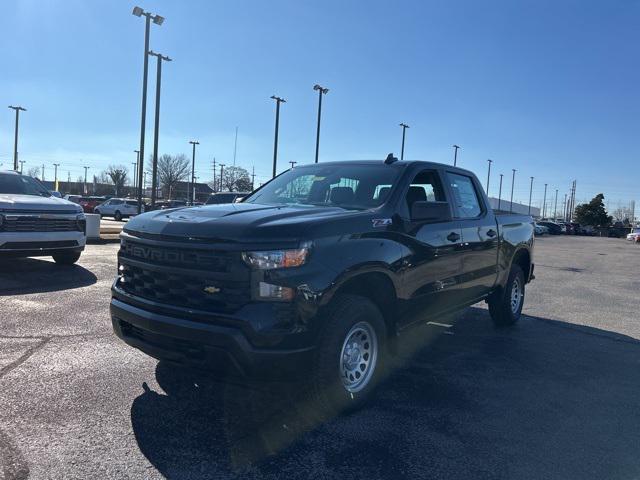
[(504, 206), (181, 191)]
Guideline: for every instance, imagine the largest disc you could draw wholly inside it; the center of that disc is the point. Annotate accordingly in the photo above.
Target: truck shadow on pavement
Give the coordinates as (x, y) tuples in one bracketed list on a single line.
[(19, 276), (545, 399)]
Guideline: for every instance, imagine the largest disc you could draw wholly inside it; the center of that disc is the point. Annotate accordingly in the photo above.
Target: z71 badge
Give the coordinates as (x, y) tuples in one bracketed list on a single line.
[(381, 222)]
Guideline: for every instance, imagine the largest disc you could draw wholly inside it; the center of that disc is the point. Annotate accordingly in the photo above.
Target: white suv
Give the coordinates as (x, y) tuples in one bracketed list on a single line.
[(118, 208), (33, 223)]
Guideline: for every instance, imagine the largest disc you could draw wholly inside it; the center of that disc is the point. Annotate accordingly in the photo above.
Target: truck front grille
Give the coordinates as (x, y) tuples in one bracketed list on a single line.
[(35, 224), (196, 279)]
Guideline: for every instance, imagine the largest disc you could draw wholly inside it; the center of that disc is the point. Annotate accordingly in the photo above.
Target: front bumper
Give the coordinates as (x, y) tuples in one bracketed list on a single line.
[(204, 345), (33, 244)]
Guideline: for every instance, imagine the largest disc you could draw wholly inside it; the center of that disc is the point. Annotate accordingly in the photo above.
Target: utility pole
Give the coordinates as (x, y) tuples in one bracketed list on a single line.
[(544, 202), (222, 165), (158, 20), (253, 176), (321, 91), (513, 181), (235, 147), (192, 190), (15, 140), (136, 183), (135, 168), (555, 207), (154, 170), (293, 164), (55, 176), (215, 187), (564, 208), (500, 193), (84, 189), (489, 175), (530, 192), (275, 141), (404, 129), (43, 172), (455, 155)]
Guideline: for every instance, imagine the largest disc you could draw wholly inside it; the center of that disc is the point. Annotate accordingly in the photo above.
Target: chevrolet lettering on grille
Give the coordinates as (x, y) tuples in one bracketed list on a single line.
[(167, 256)]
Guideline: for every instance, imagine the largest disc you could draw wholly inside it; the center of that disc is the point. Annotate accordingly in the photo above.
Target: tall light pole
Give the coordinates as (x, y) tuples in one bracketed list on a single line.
[(135, 169), (15, 139), (555, 207), (500, 192), (321, 91), (530, 192), (513, 181), (489, 175), (192, 190), (404, 129), (275, 141), (157, 19), (84, 189), (455, 154), (136, 184), (55, 176), (154, 170), (544, 202), (22, 162)]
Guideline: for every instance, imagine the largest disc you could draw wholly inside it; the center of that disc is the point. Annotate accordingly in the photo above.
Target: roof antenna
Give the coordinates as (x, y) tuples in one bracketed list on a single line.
[(390, 159)]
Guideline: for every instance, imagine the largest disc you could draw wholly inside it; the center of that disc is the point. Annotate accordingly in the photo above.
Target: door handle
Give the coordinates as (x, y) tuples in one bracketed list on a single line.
[(491, 233), (453, 237)]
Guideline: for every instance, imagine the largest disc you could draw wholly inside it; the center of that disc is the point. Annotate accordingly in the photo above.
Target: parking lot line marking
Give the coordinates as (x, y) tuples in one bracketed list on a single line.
[(445, 325)]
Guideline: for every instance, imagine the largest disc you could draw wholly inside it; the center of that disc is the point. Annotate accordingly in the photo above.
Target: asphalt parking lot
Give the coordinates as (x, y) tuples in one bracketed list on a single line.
[(554, 397)]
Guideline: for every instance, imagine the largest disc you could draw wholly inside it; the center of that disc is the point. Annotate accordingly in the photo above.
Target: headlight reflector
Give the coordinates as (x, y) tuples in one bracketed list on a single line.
[(270, 259)]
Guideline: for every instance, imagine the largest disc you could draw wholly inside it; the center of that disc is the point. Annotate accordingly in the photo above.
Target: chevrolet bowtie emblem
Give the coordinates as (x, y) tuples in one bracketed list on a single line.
[(211, 290)]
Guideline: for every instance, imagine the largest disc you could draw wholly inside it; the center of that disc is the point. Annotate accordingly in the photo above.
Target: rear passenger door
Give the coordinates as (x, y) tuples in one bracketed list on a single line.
[(479, 247), (432, 261)]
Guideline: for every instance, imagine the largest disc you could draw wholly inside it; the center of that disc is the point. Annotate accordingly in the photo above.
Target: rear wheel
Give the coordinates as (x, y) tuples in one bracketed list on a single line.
[(117, 216), (350, 357), (66, 258), (506, 306)]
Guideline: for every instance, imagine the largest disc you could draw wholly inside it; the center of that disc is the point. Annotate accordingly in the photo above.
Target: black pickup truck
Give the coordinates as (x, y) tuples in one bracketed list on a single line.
[(319, 273)]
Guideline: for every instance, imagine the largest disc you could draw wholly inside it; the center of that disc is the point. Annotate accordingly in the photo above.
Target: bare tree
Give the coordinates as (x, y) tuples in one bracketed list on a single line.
[(118, 176), (34, 172), (172, 169), (236, 179)]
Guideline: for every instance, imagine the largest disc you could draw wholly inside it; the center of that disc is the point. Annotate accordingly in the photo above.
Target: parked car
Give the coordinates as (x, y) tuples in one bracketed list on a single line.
[(226, 197), (73, 198), (165, 204), (540, 229), (35, 223), (634, 236), (319, 273), (88, 204), (118, 208), (55, 193), (552, 227)]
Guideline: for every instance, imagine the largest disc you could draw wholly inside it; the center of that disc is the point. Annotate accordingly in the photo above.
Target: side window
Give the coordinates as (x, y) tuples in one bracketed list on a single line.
[(425, 187), (465, 196), (116, 202)]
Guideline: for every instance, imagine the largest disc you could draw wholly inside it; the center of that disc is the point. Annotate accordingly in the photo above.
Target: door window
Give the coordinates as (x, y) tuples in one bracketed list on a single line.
[(465, 196), (425, 187)]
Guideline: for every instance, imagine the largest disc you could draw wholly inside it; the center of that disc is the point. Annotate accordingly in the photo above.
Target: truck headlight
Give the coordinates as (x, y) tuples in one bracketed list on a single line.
[(270, 259)]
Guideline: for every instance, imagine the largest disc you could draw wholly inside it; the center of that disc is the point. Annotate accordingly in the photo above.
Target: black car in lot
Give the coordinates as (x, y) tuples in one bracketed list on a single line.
[(554, 228), (319, 274)]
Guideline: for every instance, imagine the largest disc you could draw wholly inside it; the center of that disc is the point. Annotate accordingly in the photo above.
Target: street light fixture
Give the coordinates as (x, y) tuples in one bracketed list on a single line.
[(455, 155), (489, 175), (404, 128), (15, 141), (154, 170), (192, 190), (158, 20), (500, 192), (275, 141), (321, 91)]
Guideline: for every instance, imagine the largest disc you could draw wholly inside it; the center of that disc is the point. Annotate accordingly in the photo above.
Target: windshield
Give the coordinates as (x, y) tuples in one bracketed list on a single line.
[(355, 186), (22, 185)]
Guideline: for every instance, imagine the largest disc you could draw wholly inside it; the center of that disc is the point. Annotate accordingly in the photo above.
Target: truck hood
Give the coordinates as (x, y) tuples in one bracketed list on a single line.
[(10, 202), (237, 222)]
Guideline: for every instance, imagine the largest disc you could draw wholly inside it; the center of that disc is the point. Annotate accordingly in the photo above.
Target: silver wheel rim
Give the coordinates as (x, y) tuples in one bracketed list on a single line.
[(516, 295), (358, 357)]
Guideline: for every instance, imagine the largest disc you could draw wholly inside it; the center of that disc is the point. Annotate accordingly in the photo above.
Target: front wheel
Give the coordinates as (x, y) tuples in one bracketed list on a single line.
[(350, 357), (66, 258), (506, 306), (117, 216)]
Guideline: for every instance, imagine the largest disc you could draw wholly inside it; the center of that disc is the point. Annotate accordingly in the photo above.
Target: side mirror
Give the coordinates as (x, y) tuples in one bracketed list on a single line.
[(430, 212)]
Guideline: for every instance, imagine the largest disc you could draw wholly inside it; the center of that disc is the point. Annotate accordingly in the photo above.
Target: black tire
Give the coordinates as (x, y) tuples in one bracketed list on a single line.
[(117, 216), (342, 320), (66, 258), (505, 309)]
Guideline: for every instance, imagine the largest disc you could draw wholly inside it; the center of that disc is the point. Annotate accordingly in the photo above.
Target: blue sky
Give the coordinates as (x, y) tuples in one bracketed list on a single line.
[(551, 88)]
